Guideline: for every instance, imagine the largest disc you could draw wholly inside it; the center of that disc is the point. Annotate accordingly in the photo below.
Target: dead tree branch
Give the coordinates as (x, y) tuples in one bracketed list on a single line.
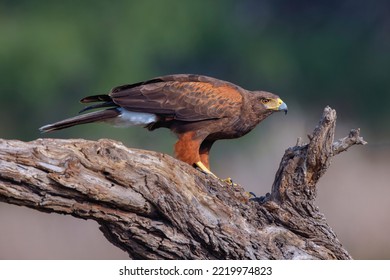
[(155, 207)]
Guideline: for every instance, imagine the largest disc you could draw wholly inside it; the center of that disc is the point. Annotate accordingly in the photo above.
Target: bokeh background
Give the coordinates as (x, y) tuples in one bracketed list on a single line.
[(311, 53)]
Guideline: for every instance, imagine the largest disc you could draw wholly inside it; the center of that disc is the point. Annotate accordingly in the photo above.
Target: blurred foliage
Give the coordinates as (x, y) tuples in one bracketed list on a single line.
[(311, 53)]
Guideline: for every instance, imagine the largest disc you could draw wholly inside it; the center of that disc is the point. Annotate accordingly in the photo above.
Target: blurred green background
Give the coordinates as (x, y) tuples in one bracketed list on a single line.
[(311, 53)]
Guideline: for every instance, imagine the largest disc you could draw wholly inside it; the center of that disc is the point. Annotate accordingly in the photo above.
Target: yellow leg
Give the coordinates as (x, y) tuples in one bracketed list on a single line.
[(229, 181), (207, 171), (204, 168)]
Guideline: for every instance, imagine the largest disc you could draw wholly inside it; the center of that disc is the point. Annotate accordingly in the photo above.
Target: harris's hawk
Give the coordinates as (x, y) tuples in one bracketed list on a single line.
[(198, 109)]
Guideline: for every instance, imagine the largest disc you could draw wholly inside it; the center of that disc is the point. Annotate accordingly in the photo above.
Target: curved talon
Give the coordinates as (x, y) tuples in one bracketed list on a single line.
[(251, 195)]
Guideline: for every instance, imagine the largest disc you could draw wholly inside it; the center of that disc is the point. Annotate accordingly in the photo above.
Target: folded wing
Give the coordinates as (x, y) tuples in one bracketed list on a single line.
[(181, 97)]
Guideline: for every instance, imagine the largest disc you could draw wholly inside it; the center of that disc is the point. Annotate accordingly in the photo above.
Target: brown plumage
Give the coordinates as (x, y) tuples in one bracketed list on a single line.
[(199, 109)]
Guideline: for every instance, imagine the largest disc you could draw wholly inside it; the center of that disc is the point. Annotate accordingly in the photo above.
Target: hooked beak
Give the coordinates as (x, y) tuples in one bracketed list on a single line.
[(279, 105), (282, 106)]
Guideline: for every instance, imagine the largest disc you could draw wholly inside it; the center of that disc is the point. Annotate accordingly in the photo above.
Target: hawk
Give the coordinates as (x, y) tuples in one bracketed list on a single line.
[(198, 109)]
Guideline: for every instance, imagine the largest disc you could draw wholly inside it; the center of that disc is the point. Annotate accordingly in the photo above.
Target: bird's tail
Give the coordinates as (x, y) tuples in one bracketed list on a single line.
[(98, 116)]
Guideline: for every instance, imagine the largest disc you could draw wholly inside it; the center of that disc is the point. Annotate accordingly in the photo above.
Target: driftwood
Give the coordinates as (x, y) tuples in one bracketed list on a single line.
[(155, 207)]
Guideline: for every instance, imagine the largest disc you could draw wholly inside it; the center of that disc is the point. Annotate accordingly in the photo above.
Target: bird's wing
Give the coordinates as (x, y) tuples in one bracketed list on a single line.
[(182, 97)]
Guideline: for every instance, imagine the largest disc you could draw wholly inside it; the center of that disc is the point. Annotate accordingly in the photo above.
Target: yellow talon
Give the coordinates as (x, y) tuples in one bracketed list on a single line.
[(207, 171), (229, 181)]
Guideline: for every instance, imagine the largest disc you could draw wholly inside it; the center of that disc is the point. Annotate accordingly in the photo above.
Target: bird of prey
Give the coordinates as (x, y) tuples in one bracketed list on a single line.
[(198, 109)]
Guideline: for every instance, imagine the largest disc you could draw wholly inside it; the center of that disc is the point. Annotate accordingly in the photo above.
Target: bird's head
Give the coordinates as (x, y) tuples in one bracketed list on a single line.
[(270, 102)]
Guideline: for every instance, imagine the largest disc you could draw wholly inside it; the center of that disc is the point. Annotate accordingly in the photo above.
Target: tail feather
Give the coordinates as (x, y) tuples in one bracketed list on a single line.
[(99, 105), (96, 98), (97, 116), (103, 99)]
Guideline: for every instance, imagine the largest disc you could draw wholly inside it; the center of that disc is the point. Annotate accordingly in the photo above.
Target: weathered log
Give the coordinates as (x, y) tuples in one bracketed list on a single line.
[(156, 207)]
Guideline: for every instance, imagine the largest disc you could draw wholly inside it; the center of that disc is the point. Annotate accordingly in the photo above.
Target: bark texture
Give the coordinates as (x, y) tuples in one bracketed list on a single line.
[(155, 207)]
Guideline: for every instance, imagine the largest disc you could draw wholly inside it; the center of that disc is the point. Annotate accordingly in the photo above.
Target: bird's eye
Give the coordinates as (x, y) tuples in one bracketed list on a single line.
[(265, 100)]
